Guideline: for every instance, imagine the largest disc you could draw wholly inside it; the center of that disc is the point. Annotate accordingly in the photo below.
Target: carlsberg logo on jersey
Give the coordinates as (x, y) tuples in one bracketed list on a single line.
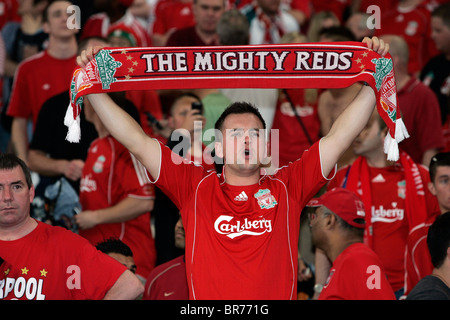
[(233, 227)]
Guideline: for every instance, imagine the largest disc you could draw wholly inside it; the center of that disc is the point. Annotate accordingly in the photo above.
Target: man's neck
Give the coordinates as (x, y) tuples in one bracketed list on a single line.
[(62, 48), (19, 231), (207, 37), (443, 274), (401, 79), (241, 178), (335, 250)]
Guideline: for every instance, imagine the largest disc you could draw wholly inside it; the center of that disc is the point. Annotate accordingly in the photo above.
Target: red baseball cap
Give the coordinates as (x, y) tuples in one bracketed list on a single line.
[(344, 203)]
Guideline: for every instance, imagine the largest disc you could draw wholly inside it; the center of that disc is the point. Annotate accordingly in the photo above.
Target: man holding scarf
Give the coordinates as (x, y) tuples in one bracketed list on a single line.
[(241, 226)]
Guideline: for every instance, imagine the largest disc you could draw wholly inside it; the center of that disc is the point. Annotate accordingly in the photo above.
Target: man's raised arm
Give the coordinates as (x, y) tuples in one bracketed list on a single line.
[(122, 126), (352, 121)]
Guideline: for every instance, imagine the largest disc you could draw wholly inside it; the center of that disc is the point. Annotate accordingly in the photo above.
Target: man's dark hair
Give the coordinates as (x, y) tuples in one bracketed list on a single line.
[(338, 33), (439, 160), (238, 108), (443, 12), (114, 245), (50, 2), (438, 239), (9, 161)]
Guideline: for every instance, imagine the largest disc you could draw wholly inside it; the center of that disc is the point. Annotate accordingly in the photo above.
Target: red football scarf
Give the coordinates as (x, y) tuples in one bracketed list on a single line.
[(415, 206), (308, 65)]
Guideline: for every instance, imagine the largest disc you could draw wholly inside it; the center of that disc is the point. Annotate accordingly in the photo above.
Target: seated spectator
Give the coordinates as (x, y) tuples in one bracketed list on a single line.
[(110, 13), (440, 179), (436, 73), (268, 23), (115, 194), (171, 15), (411, 21), (168, 280), (53, 263), (204, 33), (146, 101), (418, 105), (119, 251), (437, 285), (337, 228)]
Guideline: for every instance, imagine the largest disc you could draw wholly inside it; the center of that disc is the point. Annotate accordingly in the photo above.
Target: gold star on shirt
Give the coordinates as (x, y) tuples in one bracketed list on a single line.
[(127, 77), (43, 273), (25, 270), (7, 271), (129, 58), (362, 66), (365, 54), (135, 63), (124, 51), (358, 60), (130, 70)]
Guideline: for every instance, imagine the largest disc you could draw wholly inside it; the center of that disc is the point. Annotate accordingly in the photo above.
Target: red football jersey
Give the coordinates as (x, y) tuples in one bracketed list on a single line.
[(357, 274), (111, 174), (241, 241), (389, 216), (51, 263), (37, 79)]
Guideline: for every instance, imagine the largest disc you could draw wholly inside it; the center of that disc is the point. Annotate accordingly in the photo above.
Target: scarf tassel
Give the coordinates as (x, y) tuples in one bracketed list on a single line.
[(391, 145)]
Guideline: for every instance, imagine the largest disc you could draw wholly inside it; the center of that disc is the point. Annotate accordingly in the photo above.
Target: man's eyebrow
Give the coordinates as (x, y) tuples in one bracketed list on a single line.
[(14, 182)]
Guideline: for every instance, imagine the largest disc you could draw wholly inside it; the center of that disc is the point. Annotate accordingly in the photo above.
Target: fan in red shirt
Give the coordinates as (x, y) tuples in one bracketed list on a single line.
[(242, 226), (43, 262), (337, 228), (43, 75)]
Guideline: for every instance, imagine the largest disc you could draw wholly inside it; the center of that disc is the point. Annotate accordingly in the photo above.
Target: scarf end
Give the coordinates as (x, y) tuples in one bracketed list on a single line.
[(391, 148), (74, 132), (401, 132)]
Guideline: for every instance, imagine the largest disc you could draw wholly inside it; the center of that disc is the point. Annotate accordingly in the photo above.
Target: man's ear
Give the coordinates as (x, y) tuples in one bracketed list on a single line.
[(218, 146), (330, 221), (31, 193), (431, 188)]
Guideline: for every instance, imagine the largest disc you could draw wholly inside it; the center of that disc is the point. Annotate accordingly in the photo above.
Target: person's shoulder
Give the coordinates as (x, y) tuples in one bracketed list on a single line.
[(166, 266)]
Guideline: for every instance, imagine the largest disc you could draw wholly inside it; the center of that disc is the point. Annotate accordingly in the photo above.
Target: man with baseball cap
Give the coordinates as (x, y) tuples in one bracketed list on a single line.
[(337, 227)]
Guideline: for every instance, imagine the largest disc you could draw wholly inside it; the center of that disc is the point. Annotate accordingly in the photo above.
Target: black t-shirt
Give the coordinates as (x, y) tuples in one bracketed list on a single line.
[(436, 74), (430, 288)]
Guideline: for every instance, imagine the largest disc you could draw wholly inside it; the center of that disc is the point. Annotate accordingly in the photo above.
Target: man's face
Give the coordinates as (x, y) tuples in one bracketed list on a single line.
[(440, 187), (269, 6), (15, 197), (244, 143), (180, 111), (440, 33), (57, 20), (370, 140), (316, 222), (179, 234), (127, 261), (207, 14)]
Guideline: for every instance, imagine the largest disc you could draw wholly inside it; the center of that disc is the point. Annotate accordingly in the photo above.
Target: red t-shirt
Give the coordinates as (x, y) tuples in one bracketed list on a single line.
[(37, 79), (413, 25), (52, 263), (389, 217), (422, 117), (241, 241), (292, 138), (357, 274), (172, 14), (111, 174), (167, 281)]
